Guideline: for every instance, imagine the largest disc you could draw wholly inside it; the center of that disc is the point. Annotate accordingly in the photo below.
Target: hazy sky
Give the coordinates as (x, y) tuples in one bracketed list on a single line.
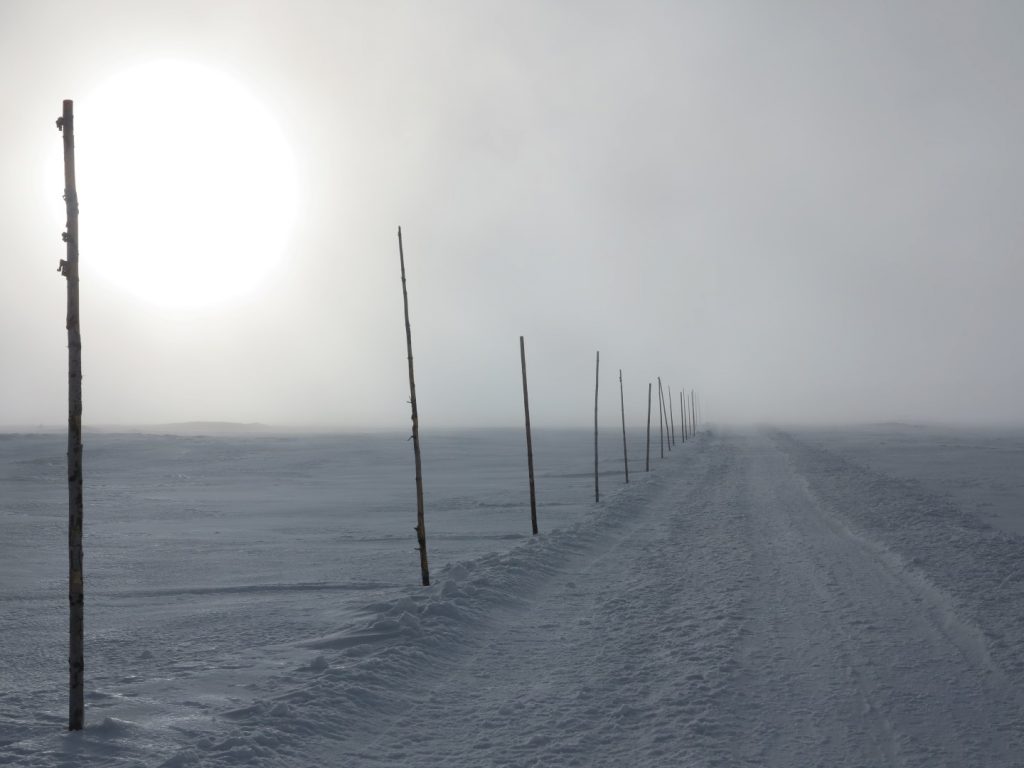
[(807, 210)]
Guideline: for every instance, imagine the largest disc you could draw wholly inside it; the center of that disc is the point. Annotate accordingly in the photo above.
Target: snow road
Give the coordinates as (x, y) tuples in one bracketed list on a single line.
[(734, 618), (757, 600)]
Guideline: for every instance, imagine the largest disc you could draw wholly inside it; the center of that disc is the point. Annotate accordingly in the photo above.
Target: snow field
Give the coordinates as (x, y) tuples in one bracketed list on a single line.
[(761, 598)]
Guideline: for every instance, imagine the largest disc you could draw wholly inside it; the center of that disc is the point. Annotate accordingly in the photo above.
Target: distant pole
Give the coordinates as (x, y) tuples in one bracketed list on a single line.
[(647, 464), (529, 438), (661, 418), (597, 379), (683, 428), (622, 403), (421, 528), (671, 417), (693, 410), (76, 577)]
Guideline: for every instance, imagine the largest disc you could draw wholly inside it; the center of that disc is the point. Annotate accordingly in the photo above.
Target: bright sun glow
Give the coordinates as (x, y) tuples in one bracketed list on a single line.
[(186, 185)]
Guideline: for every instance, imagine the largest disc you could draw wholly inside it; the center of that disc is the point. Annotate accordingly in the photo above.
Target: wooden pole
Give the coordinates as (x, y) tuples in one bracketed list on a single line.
[(597, 379), (661, 418), (421, 529), (693, 410), (683, 428), (671, 417), (76, 581), (647, 464), (622, 403), (529, 438)]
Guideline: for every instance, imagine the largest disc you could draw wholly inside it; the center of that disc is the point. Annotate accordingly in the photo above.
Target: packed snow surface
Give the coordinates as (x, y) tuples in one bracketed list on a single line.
[(762, 598)]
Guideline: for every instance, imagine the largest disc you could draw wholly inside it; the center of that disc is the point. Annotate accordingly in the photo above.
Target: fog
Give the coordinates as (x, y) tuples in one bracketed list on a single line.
[(807, 212)]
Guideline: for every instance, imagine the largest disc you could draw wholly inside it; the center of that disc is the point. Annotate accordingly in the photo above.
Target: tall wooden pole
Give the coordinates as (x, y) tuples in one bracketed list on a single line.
[(671, 417), (421, 528), (684, 429), (76, 580), (647, 463), (529, 438), (661, 419), (693, 409), (622, 403), (597, 381)]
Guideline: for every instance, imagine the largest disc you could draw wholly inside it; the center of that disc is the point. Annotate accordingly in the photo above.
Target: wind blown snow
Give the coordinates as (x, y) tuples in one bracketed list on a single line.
[(759, 598)]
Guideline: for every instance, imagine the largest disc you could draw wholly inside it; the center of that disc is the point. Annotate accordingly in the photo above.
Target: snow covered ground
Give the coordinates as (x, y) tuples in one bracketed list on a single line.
[(828, 597)]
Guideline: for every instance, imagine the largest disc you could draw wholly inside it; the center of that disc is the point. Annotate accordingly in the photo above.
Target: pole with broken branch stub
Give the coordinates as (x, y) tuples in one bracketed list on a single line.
[(76, 577), (647, 463), (622, 403), (421, 528), (529, 438), (597, 381)]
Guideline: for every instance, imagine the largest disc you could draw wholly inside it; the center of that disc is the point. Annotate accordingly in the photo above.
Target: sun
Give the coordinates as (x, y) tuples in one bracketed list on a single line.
[(186, 184)]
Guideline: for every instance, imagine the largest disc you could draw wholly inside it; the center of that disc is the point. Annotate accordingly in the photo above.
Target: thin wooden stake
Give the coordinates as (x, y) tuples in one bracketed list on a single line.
[(683, 428), (421, 528), (597, 380), (76, 577), (661, 418), (529, 438), (671, 418), (693, 410), (647, 464), (622, 402)]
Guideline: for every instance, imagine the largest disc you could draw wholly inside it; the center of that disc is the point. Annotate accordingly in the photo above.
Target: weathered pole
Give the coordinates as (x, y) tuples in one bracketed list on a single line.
[(693, 409), (671, 417), (597, 380), (683, 428), (421, 528), (76, 581), (661, 419), (622, 403), (647, 464), (529, 438)]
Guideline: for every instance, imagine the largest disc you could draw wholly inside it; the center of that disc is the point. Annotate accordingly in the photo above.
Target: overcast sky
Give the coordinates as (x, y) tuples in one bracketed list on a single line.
[(808, 211)]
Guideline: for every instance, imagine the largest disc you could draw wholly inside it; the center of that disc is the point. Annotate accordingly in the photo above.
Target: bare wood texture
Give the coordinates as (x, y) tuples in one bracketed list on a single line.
[(76, 576), (529, 438), (421, 528)]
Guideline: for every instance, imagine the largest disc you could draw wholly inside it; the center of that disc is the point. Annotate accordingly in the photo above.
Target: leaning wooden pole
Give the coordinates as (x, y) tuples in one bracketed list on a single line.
[(665, 410), (647, 463), (683, 427), (671, 417), (622, 403), (529, 438), (661, 419), (421, 529), (597, 381), (76, 581)]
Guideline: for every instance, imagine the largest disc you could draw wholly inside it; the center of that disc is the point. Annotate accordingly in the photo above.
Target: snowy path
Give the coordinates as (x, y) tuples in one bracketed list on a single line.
[(722, 614)]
